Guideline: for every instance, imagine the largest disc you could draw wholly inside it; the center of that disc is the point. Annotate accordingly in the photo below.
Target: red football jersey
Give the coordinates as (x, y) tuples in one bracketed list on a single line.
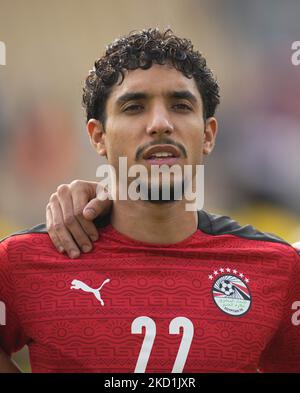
[(222, 300)]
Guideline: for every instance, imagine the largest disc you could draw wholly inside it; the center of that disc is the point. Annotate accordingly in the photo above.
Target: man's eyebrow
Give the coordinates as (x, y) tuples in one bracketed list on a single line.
[(131, 97), (183, 94), (139, 95)]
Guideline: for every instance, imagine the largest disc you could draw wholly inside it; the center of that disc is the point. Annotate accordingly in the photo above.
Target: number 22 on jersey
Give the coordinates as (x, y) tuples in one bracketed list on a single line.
[(150, 333)]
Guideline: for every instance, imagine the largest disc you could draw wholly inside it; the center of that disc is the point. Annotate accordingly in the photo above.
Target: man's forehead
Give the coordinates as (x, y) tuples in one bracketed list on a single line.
[(159, 79)]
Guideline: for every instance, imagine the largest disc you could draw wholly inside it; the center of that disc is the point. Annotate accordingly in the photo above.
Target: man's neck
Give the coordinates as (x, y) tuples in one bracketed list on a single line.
[(148, 222)]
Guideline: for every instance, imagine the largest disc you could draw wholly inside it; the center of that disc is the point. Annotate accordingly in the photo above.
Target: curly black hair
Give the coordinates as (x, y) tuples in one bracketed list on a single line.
[(140, 49)]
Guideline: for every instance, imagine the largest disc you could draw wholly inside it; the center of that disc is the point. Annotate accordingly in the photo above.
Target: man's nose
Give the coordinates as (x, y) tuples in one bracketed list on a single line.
[(159, 122)]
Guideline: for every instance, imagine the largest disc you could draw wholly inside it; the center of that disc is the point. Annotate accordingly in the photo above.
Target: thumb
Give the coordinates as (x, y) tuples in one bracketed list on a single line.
[(96, 207)]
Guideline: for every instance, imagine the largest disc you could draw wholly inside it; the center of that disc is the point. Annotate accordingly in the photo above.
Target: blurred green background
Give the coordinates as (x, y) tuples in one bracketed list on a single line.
[(253, 174)]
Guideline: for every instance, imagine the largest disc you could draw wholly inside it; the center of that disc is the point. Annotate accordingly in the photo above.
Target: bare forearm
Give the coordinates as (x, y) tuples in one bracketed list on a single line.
[(6, 364)]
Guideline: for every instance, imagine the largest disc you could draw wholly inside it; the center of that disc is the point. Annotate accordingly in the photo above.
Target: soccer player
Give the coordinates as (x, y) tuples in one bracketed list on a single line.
[(164, 289)]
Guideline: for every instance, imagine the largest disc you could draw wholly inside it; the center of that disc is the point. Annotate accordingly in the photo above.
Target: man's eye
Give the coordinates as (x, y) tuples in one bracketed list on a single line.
[(182, 107), (133, 108)]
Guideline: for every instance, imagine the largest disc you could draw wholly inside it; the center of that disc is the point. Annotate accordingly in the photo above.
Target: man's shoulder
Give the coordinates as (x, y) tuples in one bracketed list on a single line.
[(215, 224), (246, 237), (37, 229), (25, 240)]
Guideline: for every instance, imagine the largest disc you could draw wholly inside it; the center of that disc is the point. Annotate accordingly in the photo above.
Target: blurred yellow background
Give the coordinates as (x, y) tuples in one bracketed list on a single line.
[(253, 174)]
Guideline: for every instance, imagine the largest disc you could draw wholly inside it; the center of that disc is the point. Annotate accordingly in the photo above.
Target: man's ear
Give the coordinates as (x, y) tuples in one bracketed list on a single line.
[(96, 133), (210, 134)]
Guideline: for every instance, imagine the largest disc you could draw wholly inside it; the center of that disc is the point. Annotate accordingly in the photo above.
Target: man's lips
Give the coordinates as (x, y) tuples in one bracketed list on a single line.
[(164, 160), (161, 153)]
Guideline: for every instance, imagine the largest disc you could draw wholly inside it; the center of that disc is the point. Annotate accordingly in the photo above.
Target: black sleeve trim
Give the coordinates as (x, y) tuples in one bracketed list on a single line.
[(214, 224), (41, 228), (100, 222)]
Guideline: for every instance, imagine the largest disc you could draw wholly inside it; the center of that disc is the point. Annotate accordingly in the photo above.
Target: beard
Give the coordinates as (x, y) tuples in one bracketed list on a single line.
[(161, 194)]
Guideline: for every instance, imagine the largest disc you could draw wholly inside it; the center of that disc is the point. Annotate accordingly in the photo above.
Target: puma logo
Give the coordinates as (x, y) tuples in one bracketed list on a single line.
[(76, 284)]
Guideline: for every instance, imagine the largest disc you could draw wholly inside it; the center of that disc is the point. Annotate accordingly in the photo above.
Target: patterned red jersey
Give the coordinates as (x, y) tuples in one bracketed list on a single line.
[(222, 300)]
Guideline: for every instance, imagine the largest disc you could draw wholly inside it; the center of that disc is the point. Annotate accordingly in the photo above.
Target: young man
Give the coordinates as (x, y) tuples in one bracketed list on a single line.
[(164, 289)]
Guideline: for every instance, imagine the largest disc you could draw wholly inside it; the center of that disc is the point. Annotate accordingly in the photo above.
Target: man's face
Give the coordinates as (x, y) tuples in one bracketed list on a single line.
[(154, 112)]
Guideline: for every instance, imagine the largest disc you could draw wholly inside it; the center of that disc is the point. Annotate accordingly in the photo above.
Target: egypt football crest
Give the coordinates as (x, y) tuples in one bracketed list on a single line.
[(230, 291)]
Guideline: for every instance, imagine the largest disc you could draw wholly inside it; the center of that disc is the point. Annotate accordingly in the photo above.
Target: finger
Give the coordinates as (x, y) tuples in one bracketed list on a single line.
[(51, 231), (61, 231), (89, 227), (87, 191), (70, 220), (97, 207), (80, 200)]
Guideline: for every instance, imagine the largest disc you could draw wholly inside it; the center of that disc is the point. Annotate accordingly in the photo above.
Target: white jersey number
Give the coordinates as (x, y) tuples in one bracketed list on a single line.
[(150, 333)]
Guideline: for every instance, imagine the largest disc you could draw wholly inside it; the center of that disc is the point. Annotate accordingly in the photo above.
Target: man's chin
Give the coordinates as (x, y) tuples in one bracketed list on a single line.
[(162, 194)]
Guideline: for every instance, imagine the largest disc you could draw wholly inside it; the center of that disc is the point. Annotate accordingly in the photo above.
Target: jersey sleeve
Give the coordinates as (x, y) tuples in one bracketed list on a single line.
[(283, 352), (12, 336)]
